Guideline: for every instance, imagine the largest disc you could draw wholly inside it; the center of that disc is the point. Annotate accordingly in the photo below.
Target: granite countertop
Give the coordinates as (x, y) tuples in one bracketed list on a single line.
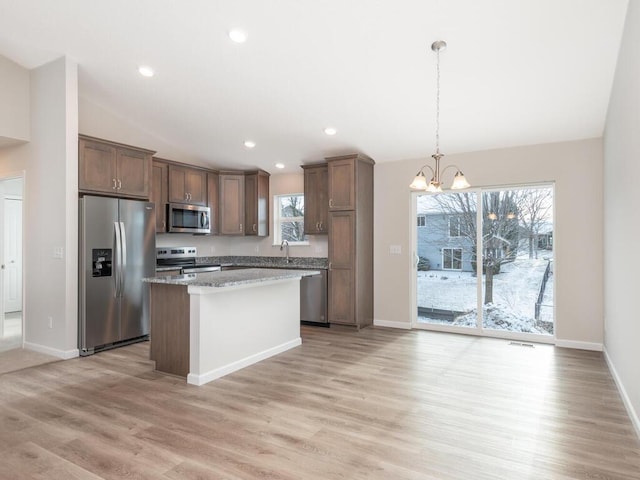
[(231, 278), (308, 263)]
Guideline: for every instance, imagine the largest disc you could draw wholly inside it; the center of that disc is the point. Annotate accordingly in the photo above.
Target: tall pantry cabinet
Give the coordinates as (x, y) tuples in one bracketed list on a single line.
[(350, 193)]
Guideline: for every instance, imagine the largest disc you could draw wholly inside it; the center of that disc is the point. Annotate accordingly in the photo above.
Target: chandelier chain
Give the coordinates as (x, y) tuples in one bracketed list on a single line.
[(438, 101)]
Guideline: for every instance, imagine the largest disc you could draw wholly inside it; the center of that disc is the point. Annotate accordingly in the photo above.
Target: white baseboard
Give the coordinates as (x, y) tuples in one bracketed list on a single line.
[(579, 345), (201, 379), (54, 352), (390, 324), (633, 415)]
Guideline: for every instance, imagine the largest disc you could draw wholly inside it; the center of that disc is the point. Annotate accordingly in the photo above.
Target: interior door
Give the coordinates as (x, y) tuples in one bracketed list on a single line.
[(12, 255)]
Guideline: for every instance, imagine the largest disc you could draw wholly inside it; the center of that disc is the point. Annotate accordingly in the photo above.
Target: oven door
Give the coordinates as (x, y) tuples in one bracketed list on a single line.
[(188, 218)]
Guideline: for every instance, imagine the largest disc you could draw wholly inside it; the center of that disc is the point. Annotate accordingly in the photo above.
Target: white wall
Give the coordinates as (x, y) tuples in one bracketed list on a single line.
[(50, 165), (51, 197), (576, 169), (14, 103), (621, 225)]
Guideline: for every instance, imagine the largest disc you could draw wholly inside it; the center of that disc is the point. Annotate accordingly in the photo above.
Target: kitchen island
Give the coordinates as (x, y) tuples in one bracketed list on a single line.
[(207, 325)]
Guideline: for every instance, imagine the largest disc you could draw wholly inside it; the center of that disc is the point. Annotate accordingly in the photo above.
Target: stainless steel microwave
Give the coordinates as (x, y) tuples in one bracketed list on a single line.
[(188, 218)]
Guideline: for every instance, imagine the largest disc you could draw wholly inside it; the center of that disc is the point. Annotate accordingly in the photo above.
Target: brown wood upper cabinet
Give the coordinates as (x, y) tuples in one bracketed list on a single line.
[(256, 203), (187, 185), (113, 169), (213, 200), (160, 193), (231, 203), (342, 184), (315, 199)]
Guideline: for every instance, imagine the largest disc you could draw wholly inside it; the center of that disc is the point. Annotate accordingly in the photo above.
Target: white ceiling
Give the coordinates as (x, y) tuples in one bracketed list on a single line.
[(516, 72)]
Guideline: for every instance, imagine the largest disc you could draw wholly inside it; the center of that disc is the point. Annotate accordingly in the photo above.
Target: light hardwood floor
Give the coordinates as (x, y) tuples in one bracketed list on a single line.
[(374, 404)]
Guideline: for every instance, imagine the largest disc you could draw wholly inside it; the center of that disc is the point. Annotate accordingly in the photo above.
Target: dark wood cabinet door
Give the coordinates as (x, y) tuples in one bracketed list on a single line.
[(133, 169), (178, 184), (113, 169), (231, 204), (342, 239), (251, 204), (187, 185), (196, 186), (97, 167), (159, 193), (213, 199), (256, 195), (341, 184), (315, 199), (341, 305)]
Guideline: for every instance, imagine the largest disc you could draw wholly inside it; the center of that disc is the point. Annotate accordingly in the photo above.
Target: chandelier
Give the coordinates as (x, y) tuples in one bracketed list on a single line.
[(435, 185)]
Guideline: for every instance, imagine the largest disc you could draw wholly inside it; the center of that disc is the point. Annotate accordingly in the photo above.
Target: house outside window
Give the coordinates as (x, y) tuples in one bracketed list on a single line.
[(288, 219), (452, 259), (422, 221), (455, 226)]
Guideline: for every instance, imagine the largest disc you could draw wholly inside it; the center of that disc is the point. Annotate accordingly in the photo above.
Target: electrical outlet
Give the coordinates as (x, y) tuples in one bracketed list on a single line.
[(395, 249), (257, 249), (58, 252), (50, 322)]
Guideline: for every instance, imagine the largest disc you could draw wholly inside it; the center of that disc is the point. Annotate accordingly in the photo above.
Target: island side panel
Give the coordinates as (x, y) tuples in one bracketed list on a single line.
[(232, 328), (170, 328)]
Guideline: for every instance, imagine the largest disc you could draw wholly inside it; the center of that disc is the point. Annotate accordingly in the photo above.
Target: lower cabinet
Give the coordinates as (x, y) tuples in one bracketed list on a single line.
[(341, 307)]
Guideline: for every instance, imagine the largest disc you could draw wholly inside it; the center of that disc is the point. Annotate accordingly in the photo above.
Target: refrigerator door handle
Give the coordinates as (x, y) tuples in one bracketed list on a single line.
[(118, 259), (123, 239)]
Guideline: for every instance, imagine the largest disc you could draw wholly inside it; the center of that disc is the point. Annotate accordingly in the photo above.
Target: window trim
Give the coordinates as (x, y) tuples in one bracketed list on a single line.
[(453, 259), (277, 220), (458, 226)]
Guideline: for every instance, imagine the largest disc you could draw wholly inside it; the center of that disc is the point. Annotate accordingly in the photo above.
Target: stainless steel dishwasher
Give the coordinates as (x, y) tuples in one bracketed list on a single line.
[(313, 299)]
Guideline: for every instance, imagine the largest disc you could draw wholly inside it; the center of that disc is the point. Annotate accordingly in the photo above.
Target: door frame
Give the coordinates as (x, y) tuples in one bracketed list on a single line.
[(478, 330), (4, 177)]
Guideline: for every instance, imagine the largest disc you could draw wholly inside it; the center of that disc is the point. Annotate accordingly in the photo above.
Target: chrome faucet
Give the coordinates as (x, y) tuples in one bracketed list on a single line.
[(285, 245)]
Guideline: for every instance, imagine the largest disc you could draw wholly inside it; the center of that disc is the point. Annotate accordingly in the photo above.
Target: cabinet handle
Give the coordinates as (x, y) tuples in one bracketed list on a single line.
[(321, 227), (189, 196), (164, 225), (119, 184), (331, 203), (240, 227), (255, 227), (329, 265), (114, 184), (318, 226)]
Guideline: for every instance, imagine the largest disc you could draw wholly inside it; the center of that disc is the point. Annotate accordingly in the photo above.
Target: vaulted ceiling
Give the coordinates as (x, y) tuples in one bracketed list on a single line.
[(514, 73)]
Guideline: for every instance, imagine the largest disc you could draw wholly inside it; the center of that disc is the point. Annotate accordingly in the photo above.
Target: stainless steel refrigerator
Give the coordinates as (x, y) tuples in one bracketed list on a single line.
[(117, 250)]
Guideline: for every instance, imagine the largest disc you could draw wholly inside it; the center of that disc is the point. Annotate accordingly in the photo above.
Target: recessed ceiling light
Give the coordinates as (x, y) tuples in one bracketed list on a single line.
[(145, 71), (238, 36), (249, 144), (279, 165), (330, 131)]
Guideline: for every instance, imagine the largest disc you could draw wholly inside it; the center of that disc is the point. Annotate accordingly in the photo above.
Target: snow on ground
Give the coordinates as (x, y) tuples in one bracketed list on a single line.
[(515, 292), (498, 317)]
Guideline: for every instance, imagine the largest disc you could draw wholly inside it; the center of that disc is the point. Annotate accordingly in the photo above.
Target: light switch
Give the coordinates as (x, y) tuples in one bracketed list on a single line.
[(58, 252), (395, 249)]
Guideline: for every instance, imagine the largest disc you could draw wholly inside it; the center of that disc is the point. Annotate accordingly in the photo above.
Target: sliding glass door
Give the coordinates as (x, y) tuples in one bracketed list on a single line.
[(484, 261)]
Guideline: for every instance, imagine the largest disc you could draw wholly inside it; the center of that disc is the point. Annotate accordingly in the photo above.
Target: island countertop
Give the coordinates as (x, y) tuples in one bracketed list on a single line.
[(230, 278)]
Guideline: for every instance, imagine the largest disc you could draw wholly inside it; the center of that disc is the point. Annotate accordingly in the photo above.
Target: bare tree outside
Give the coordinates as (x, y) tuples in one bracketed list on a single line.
[(499, 228), (535, 206), (292, 218), (515, 228)]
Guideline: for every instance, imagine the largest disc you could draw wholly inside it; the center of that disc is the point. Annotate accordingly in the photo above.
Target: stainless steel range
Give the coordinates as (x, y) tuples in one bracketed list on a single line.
[(183, 258)]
